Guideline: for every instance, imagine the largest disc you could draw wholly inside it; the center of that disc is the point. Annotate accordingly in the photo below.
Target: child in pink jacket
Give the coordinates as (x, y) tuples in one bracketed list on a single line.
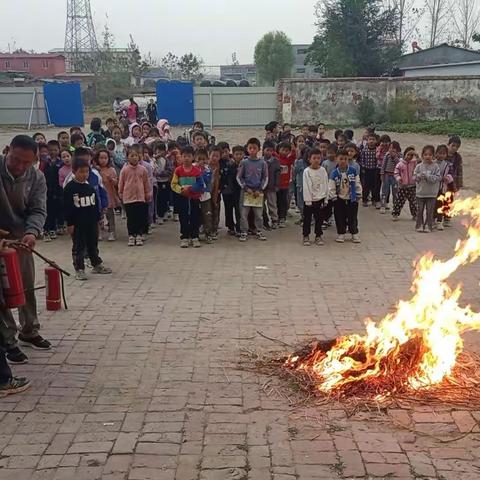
[(134, 191)]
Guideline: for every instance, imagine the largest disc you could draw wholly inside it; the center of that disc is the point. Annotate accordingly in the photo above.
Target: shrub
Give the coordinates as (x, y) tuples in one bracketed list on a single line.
[(402, 110), (366, 111)]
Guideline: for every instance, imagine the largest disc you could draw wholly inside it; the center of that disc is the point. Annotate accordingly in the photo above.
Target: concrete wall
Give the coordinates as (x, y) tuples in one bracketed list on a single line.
[(335, 100)]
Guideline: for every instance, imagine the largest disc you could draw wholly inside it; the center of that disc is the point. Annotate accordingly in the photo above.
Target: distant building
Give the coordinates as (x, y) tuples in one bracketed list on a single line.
[(239, 72), (121, 57), (42, 65), (150, 78), (301, 69), (442, 60)]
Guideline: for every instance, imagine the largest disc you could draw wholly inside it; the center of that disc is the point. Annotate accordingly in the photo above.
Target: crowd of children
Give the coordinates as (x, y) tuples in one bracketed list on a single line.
[(141, 173)]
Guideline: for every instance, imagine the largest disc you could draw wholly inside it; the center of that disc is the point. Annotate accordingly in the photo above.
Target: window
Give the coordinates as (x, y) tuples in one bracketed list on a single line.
[(45, 64), (7, 64), (26, 64), (302, 51), (300, 70)]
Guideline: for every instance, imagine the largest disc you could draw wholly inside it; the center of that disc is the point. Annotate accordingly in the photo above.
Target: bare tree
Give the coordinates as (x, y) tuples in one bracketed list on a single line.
[(466, 20), (438, 12), (409, 16)]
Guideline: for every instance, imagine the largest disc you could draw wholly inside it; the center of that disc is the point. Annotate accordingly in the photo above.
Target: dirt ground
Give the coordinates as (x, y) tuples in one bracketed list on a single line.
[(238, 135)]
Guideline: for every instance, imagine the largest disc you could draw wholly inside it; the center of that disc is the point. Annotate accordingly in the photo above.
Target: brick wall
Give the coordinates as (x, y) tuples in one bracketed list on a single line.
[(334, 100)]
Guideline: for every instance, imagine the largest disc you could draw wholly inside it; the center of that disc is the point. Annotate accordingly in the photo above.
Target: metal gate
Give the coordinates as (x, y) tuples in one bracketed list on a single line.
[(64, 104), (175, 102), (235, 106)]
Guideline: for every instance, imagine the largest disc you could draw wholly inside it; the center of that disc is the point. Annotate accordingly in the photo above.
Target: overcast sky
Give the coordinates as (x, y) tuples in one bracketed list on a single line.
[(213, 29)]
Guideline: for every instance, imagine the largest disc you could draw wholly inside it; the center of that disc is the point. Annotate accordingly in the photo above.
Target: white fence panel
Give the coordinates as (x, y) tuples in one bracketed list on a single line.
[(235, 106), (22, 106)]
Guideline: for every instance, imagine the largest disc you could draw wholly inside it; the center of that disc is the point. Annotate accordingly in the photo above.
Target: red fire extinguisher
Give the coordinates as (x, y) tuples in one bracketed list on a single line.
[(11, 278), (53, 286)]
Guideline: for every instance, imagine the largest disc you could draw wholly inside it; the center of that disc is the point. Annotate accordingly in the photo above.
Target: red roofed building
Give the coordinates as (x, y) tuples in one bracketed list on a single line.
[(36, 64)]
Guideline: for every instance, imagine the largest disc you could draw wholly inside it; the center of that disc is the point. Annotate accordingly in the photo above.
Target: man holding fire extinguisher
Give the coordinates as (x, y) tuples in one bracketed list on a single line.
[(22, 214), (8, 383)]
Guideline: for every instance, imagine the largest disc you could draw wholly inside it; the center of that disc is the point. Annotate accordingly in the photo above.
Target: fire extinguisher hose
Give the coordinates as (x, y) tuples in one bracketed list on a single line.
[(24, 246)]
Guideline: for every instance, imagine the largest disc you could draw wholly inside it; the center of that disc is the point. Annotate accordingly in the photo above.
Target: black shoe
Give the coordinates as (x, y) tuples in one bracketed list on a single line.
[(16, 357), (14, 385), (38, 343)]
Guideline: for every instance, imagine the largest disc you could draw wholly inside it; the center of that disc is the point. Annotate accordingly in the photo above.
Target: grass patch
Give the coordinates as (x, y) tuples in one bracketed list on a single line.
[(464, 128)]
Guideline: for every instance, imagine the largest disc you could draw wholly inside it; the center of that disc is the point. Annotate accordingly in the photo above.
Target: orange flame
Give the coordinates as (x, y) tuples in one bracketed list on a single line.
[(433, 315)]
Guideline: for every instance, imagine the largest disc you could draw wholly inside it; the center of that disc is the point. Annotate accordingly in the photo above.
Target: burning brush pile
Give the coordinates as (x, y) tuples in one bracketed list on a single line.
[(413, 354)]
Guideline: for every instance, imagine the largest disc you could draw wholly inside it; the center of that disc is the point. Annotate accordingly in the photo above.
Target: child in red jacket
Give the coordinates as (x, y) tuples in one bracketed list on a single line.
[(286, 155)]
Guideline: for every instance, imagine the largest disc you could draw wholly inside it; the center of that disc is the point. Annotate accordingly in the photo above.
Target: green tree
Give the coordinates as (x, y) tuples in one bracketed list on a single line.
[(274, 57), (355, 38), (170, 63), (187, 67), (190, 66)]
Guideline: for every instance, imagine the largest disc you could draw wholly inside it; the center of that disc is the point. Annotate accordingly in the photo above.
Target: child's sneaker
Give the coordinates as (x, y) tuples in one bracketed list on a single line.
[(184, 243), (319, 241), (175, 217), (306, 242), (80, 275), (420, 230), (282, 224), (428, 230), (440, 226), (52, 235), (131, 241), (261, 236), (111, 237), (243, 237), (196, 243), (356, 238), (383, 210), (340, 239), (139, 241), (14, 385), (102, 270), (395, 218), (208, 240), (160, 221)]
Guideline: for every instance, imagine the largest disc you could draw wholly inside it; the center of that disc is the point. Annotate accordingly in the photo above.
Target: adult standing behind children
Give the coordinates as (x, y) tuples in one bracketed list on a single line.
[(23, 195)]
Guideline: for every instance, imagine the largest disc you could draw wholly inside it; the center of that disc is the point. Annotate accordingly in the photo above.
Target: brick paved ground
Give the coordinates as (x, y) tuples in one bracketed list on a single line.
[(142, 382)]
